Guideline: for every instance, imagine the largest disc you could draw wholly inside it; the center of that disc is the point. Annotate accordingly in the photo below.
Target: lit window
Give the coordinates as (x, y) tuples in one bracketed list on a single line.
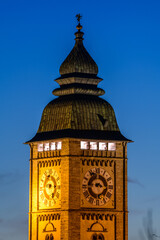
[(102, 146), (111, 146), (59, 145), (84, 145), (40, 147), (46, 147), (53, 146), (93, 145)]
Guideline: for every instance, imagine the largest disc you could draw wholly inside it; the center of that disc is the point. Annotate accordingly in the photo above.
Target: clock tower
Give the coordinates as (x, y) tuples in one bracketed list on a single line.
[(78, 159)]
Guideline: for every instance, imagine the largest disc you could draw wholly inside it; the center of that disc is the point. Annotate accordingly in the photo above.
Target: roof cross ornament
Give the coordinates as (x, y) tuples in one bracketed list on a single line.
[(78, 16)]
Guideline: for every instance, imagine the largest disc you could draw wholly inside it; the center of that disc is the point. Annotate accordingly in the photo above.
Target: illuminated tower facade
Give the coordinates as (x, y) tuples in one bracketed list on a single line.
[(78, 160)]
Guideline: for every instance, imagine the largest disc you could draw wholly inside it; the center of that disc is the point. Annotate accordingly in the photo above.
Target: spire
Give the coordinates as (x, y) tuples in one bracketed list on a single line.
[(79, 70), (79, 60)]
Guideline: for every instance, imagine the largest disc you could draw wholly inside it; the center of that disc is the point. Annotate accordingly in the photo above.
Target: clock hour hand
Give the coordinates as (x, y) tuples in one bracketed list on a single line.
[(98, 185), (48, 185)]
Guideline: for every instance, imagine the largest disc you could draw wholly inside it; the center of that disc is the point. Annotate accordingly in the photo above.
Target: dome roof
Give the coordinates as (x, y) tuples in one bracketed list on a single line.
[(78, 112)]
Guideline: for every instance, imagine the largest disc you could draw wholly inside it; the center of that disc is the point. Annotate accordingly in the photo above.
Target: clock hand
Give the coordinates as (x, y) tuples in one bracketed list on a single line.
[(98, 185), (52, 195)]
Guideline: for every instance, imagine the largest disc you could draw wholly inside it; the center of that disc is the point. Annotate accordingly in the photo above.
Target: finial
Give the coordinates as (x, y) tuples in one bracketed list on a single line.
[(79, 34), (78, 16), (79, 26)]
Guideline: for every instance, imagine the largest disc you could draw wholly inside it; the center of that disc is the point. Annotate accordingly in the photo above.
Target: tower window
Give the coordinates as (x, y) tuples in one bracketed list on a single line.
[(40, 147), (51, 237), (59, 145), (47, 237), (46, 147), (84, 145), (53, 146), (49, 146), (111, 146), (93, 145), (96, 236), (102, 146)]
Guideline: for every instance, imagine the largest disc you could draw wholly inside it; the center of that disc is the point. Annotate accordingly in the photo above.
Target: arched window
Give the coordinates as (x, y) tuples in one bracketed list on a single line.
[(47, 237), (100, 237), (51, 237), (96, 236)]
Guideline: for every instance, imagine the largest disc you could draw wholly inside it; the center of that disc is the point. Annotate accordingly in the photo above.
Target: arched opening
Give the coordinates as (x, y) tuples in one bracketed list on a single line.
[(100, 237), (47, 237), (51, 237), (96, 236)]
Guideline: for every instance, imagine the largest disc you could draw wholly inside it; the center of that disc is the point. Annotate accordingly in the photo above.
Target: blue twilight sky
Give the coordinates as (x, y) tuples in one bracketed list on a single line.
[(123, 37)]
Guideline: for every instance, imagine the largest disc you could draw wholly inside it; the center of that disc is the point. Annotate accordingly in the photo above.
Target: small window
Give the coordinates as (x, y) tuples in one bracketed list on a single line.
[(59, 145), (47, 237), (93, 145), (96, 236), (112, 146), (101, 237), (51, 237), (84, 145), (46, 147), (53, 146), (102, 146), (40, 147)]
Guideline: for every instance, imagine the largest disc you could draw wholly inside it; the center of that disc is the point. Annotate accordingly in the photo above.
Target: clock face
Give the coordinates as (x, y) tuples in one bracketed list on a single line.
[(50, 187), (97, 186)]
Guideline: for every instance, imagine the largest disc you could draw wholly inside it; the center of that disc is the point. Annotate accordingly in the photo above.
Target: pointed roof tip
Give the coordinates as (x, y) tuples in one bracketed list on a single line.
[(79, 26), (79, 34), (79, 60)]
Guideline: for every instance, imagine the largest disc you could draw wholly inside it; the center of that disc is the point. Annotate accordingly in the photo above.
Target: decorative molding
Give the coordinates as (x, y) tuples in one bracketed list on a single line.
[(53, 227), (49, 217), (97, 162), (95, 216), (100, 230), (46, 154), (98, 153), (50, 163)]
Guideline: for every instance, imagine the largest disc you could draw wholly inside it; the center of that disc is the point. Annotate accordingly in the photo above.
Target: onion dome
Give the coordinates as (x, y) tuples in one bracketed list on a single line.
[(78, 112)]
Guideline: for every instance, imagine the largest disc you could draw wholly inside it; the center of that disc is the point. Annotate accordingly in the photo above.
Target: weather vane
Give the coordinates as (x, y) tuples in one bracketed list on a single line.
[(78, 16)]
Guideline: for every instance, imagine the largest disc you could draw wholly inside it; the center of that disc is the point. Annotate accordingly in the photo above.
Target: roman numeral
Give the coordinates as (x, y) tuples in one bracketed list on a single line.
[(97, 202), (110, 186), (108, 194), (86, 178), (45, 202), (98, 170), (84, 186), (91, 200), (108, 179), (86, 194)]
